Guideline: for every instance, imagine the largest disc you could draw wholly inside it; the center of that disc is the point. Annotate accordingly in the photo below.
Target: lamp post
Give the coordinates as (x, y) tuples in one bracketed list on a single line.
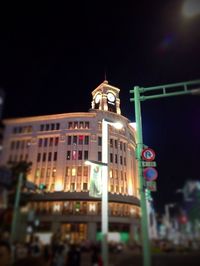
[(182, 88), (104, 208), (16, 208)]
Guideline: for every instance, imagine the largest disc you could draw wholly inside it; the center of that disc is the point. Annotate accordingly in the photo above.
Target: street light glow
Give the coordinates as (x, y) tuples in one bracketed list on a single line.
[(191, 8)]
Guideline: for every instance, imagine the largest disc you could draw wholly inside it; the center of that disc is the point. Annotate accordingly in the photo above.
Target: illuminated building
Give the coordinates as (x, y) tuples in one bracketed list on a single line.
[(58, 146)]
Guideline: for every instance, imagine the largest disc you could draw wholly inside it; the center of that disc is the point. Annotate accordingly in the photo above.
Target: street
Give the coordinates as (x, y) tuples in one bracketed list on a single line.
[(127, 258)]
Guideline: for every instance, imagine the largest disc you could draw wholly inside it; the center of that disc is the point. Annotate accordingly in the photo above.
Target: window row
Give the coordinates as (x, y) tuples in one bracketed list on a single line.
[(69, 171), (47, 156), (20, 144), (17, 158), (77, 155), (114, 143), (22, 129), (52, 126), (44, 142), (78, 125), (78, 139), (114, 158), (45, 172), (84, 208)]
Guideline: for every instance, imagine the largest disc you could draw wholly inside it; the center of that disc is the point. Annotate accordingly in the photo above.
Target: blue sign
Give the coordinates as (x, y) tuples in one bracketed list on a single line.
[(150, 173)]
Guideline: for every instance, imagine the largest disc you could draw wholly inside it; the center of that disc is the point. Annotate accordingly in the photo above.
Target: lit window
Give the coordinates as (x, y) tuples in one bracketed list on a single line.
[(87, 125), (84, 186), (111, 173), (67, 173), (75, 125), (73, 171), (70, 125), (74, 153), (72, 187), (54, 172), (48, 172), (80, 140), (79, 171), (42, 172), (37, 172), (81, 125), (85, 170)]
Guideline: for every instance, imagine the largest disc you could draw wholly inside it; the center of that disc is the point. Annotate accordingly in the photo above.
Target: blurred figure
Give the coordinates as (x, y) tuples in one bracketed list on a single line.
[(96, 257), (5, 253), (74, 256)]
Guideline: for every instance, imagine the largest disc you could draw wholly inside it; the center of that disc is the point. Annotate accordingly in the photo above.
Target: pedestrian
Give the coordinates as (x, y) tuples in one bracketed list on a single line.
[(96, 257), (74, 256), (5, 253)]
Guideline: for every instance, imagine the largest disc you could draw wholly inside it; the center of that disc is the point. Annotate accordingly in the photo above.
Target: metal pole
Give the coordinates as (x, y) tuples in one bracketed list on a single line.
[(139, 148), (16, 208), (104, 208)]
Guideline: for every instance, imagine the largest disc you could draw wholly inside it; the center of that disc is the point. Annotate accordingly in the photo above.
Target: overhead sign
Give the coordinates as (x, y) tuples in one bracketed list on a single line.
[(151, 185), (147, 164), (150, 173), (148, 154)]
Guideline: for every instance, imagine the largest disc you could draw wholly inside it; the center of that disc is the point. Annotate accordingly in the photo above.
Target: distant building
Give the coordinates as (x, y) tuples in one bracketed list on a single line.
[(58, 145)]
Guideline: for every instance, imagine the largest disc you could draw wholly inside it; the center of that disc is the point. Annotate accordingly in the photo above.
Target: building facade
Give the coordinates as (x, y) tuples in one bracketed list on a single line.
[(58, 146)]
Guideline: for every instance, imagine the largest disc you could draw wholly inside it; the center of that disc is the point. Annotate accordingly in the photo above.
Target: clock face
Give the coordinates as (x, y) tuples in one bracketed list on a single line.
[(111, 97), (97, 98)]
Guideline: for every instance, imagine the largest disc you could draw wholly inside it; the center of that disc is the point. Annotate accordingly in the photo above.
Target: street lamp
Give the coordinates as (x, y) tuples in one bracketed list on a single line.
[(104, 203)]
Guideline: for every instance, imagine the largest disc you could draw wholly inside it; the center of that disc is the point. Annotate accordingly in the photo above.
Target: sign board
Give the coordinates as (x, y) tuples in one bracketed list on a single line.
[(148, 154), (151, 185), (147, 164), (150, 173)]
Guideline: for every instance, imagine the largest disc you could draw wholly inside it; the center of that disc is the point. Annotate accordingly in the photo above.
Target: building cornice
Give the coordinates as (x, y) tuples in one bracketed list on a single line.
[(60, 196), (48, 117)]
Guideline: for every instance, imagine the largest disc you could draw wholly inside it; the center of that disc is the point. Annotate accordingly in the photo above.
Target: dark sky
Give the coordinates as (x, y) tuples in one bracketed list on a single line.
[(48, 52)]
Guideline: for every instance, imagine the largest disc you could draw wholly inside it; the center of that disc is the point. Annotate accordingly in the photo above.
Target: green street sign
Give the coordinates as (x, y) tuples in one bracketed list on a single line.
[(148, 164), (151, 185)]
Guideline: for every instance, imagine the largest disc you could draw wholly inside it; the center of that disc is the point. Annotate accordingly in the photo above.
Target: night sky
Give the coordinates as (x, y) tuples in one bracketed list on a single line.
[(50, 51)]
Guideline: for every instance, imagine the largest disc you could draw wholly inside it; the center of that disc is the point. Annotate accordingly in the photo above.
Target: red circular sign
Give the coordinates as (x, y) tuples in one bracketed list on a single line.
[(148, 154)]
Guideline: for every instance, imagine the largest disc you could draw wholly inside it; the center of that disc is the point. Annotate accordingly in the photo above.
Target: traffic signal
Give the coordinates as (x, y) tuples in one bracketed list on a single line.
[(148, 194), (42, 186)]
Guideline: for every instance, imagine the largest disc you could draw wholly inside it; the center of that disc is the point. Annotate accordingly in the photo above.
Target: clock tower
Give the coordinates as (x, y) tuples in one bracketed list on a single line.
[(106, 98)]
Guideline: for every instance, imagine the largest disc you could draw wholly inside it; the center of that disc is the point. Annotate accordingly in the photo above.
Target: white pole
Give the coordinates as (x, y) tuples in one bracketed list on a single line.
[(104, 208)]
